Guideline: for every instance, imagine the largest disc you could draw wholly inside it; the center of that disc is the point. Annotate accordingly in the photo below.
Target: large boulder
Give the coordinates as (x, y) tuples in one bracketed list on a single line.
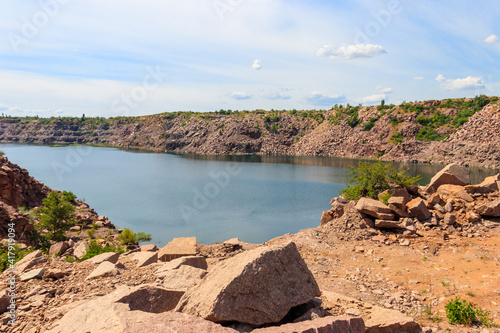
[(256, 287), (330, 324), (452, 174), (80, 249), (489, 209), (112, 257), (32, 259), (183, 278), (140, 309), (374, 208), (145, 258), (194, 261), (58, 248), (104, 269), (178, 247)]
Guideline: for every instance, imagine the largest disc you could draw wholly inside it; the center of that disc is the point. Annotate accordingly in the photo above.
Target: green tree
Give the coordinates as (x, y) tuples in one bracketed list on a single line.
[(368, 180), (56, 215)]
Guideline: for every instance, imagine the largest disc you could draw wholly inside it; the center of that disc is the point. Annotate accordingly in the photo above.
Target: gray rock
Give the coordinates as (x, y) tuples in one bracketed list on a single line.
[(254, 287), (33, 274), (80, 249), (450, 219)]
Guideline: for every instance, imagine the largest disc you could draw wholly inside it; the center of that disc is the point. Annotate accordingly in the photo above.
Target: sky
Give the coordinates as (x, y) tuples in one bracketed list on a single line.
[(130, 57)]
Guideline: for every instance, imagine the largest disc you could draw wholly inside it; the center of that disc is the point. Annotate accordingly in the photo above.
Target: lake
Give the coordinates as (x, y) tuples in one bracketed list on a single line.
[(214, 198)]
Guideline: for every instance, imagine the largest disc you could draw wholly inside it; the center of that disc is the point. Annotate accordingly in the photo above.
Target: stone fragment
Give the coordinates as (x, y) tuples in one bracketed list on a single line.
[(439, 208), (75, 228), (396, 193), (145, 258), (193, 261), (374, 208), (4, 301), (448, 192), (80, 249), (473, 217), (183, 278), (449, 206), (418, 208), (103, 270), (33, 274), (398, 212), (32, 259), (491, 183), (178, 247), (254, 287), (489, 209), (112, 257), (450, 219), (58, 248), (399, 202), (149, 248), (379, 238), (435, 199), (56, 274), (326, 216), (389, 224), (465, 196), (342, 324), (452, 174), (385, 320)]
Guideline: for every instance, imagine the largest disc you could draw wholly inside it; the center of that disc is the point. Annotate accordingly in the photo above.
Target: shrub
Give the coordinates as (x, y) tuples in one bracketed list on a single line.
[(460, 312), (6, 261), (368, 180), (96, 249), (128, 236), (397, 138), (56, 215)]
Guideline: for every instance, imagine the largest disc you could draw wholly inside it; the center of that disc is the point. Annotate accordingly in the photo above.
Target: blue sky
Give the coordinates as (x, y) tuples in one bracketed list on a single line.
[(131, 57)]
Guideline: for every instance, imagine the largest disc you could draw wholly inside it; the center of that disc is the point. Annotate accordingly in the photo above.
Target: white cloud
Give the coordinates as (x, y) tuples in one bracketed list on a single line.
[(280, 95), (440, 78), (256, 64), (319, 99), (240, 95), (350, 52), (418, 78), (470, 82), (492, 39), (374, 98), (385, 90)]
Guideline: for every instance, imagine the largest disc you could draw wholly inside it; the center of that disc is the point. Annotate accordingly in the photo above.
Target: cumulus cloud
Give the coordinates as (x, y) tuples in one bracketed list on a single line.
[(256, 64), (418, 78), (385, 90), (470, 82), (492, 39), (240, 95), (374, 98), (350, 52), (319, 99)]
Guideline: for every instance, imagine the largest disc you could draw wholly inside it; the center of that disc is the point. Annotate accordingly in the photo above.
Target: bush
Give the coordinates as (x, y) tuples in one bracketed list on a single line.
[(5, 261), (397, 138), (128, 236), (368, 180), (56, 215), (96, 249), (460, 312)]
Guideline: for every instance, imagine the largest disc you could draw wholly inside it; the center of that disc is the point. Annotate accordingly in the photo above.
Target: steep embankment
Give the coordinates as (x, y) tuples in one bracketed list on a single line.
[(465, 131)]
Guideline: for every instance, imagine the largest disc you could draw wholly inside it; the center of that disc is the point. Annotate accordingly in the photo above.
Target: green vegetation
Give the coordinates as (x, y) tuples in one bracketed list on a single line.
[(341, 113), (461, 312), (369, 180), (369, 125), (6, 261), (397, 138), (57, 215), (128, 236), (96, 249)]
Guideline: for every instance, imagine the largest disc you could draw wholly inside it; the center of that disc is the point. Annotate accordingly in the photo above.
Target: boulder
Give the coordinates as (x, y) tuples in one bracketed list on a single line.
[(435, 199), (465, 196), (33, 274), (145, 308), (56, 274), (32, 259), (396, 193), (149, 248), (389, 224), (145, 258), (80, 249), (256, 287), (473, 217), (374, 208), (342, 324), (418, 208), (58, 248), (489, 209), (450, 219), (178, 247), (194, 261), (452, 174), (326, 216), (491, 183), (103, 270), (383, 320), (4, 301), (448, 192), (75, 228), (112, 257), (183, 278)]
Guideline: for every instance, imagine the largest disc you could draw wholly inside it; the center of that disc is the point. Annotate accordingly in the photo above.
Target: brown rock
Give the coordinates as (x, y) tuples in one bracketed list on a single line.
[(473, 217), (398, 212), (194, 261), (4, 301), (149, 248), (396, 193), (81, 249), (489, 209), (465, 196), (374, 208), (178, 247), (56, 274), (435, 199), (491, 183), (387, 321), (33, 274), (326, 216), (447, 191), (418, 208), (452, 174), (254, 287), (450, 219), (112, 257), (145, 258), (104, 269), (399, 202), (342, 324), (389, 224), (32, 259), (75, 228)]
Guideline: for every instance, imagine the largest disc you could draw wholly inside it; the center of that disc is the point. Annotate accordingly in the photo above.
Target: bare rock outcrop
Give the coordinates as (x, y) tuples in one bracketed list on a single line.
[(255, 287)]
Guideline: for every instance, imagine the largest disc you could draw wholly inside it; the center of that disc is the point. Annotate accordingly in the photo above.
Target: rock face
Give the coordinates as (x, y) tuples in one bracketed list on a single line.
[(178, 247), (374, 208), (489, 209), (452, 174), (255, 287), (323, 325)]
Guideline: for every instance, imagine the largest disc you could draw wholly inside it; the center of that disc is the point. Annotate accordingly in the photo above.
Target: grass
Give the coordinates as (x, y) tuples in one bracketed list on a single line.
[(461, 312)]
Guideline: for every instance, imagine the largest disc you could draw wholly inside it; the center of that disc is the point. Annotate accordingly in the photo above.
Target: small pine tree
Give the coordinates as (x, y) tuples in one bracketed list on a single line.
[(56, 215)]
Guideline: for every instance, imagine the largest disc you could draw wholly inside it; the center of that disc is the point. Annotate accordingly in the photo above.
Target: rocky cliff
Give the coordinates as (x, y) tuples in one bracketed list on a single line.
[(464, 131)]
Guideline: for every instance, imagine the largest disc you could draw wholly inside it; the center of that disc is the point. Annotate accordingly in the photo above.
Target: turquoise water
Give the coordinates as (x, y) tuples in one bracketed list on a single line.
[(213, 198)]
